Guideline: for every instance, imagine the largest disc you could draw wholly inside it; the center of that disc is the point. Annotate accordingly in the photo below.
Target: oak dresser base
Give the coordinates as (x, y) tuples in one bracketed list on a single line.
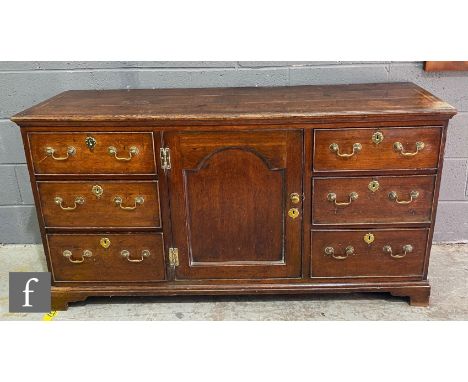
[(417, 291), (237, 191)]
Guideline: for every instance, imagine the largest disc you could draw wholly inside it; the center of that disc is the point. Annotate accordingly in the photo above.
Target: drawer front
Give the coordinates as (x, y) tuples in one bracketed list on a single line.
[(374, 149), (377, 199), (345, 253), (93, 153), (104, 204), (128, 257)]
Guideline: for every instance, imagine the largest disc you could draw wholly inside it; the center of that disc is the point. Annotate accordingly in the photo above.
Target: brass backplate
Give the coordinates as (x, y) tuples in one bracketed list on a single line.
[(90, 142), (373, 186), (369, 238), (293, 213), (97, 190), (377, 137), (105, 242)]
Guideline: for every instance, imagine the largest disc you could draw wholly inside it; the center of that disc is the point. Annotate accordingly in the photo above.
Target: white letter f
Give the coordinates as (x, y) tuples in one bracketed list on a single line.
[(27, 291)]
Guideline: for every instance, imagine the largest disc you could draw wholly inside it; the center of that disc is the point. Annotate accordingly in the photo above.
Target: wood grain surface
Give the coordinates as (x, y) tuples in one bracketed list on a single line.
[(237, 155), (372, 207), (96, 160), (222, 104), (102, 211), (229, 202), (368, 259), (382, 156), (107, 264)]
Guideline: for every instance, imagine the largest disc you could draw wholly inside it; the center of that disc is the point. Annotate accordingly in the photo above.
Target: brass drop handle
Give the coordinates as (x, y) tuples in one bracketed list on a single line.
[(336, 149), (68, 254), (139, 200), (113, 152), (332, 198), (50, 152), (330, 251), (126, 254), (79, 200), (398, 146), (394, 197), (407, 248)]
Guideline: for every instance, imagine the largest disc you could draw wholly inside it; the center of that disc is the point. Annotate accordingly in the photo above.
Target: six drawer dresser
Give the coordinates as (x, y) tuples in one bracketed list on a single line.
[(306, 189)]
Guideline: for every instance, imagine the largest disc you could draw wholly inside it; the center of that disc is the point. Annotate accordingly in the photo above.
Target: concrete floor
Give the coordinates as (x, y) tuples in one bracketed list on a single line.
[(449, 300)]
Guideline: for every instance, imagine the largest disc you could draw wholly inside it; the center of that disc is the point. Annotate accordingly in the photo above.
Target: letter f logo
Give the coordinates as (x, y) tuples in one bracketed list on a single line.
[(27, 291)]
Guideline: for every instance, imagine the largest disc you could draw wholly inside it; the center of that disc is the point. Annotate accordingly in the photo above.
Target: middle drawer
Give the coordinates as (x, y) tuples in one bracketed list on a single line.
[(377, 199), (104, 204)]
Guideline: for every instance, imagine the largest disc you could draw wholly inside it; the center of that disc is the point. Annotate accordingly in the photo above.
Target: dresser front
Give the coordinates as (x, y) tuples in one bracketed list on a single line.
[(148, 209), (373, 201), (124, 207)]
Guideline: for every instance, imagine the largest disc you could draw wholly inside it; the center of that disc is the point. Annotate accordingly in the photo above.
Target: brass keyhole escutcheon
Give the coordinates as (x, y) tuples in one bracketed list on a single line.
[(295, 198), (377, 137), (373, 186), (105, 242), (369, 238), (90, 142), (293, 213), (97, 190)]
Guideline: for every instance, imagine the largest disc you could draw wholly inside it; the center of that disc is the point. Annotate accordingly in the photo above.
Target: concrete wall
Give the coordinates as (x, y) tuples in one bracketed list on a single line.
[(22, 84)]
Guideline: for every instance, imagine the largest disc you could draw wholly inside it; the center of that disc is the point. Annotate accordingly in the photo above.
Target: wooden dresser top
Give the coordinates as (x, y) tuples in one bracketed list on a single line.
[(296, 103)]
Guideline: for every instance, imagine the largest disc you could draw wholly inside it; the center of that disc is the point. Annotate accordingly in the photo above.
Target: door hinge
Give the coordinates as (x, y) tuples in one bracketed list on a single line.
[(174, 257), (165, 155)]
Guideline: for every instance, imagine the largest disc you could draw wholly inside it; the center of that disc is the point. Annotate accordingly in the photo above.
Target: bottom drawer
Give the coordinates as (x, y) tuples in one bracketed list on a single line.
[(368, 253), (107, 257)]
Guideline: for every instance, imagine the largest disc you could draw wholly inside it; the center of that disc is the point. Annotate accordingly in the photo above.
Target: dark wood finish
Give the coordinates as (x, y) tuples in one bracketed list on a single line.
[(373, 156), (368, 259), (100, 212), (229, 202), (445, 66), (436, 198), (298, 103), (373, 207), (248, 147), (60, 298), (417, 291), (418, 296), (95, 161), (307, 201), (107, 264)]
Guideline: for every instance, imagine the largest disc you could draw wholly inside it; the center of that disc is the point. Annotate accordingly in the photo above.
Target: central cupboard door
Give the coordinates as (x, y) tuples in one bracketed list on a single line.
[(230, 198)]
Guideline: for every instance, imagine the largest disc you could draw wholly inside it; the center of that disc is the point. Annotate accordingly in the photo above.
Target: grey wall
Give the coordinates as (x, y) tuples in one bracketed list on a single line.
[(23, 84)]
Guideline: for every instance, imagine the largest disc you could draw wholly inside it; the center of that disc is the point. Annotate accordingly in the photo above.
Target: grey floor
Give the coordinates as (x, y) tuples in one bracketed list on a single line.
[(449, 300)]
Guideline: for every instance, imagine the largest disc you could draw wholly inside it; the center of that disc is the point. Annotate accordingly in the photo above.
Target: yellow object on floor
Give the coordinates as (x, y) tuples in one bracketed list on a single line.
[(49, 316)]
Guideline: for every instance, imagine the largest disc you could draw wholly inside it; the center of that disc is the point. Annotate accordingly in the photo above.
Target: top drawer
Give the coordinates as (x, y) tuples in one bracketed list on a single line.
[(398, 148), (92, 153)]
